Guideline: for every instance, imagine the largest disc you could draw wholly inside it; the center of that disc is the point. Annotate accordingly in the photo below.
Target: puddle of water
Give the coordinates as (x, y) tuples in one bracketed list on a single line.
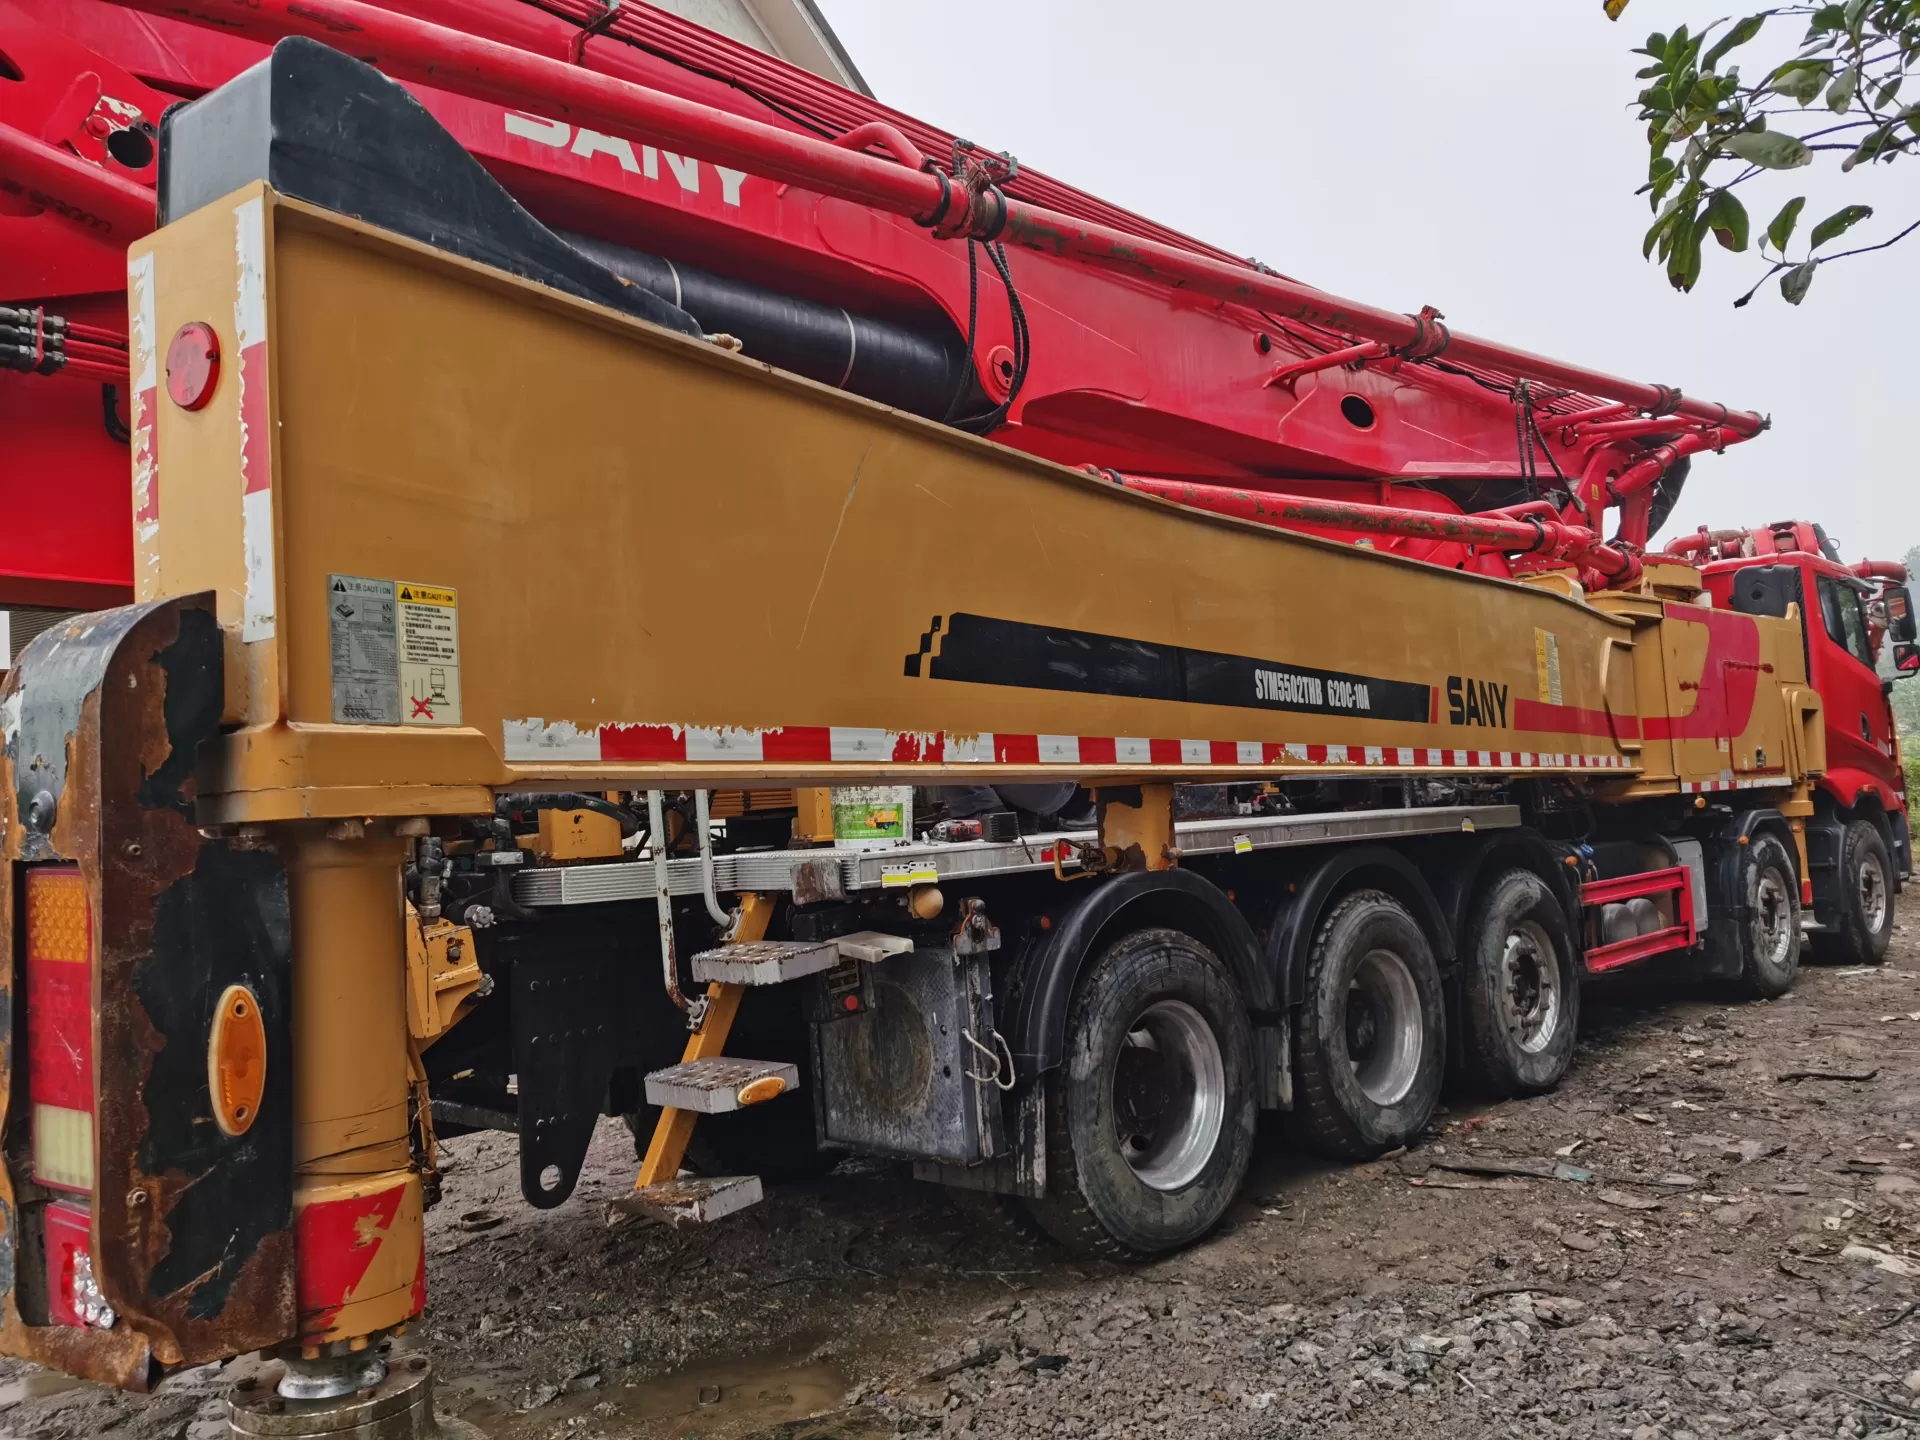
[(717, 1398)]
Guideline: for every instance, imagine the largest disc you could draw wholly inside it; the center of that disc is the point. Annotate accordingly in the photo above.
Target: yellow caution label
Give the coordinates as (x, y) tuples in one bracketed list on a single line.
[(892, 875), (429, 653), (1242, 845)]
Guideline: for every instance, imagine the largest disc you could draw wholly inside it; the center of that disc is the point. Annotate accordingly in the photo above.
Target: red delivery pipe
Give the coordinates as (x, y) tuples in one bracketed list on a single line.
[(1881, 570), (111, 209), (411, 49), (1525, 535)]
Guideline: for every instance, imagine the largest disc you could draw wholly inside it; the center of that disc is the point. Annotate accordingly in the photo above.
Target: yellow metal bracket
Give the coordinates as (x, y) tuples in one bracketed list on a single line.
[(443, 975), (674, 1129)]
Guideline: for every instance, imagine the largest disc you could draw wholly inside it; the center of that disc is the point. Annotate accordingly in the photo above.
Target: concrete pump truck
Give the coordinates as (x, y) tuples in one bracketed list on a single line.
[(1135, 771)]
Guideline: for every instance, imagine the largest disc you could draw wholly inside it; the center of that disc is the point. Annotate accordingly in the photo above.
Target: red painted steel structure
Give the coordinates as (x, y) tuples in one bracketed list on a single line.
[(1152, 353)]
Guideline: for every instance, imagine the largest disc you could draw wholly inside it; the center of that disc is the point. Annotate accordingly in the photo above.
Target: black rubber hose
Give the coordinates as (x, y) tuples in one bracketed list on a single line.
[(909, 368)]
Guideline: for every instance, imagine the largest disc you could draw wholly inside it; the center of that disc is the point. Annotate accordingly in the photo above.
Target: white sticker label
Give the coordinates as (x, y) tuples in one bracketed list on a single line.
[(429, 654), (366, 676), (1546, 659), (395, 652)]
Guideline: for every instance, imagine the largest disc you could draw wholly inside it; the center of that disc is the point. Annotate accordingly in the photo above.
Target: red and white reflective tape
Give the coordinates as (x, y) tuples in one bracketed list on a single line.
[(1756, 782), (258, 609), (560, 742)]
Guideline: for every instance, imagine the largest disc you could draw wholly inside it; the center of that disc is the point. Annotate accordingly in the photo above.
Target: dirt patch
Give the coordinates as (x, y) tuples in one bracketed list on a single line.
[(1708, 1230)]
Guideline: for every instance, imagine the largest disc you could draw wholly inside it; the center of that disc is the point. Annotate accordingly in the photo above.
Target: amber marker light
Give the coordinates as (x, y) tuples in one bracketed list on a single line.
[(237, 1060)]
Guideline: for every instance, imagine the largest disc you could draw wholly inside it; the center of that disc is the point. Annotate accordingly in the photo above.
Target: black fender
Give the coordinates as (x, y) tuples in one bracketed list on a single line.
[(1380, 866), (1179, 899), (1728, 912)]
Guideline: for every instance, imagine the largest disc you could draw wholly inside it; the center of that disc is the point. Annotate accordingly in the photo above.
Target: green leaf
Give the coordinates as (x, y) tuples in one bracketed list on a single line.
[(1658, 229), (1888, 92), (1838, 224), (1727, 218), (1739, 35), (1801, 80), (1683, 265), (1840, 93), (1781, 230), (1794, 284), (1856, 9), (1769, 149), (1656, 44)]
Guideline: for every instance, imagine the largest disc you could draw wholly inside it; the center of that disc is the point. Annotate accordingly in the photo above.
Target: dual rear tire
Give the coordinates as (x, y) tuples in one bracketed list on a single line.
[(1150, 1115)]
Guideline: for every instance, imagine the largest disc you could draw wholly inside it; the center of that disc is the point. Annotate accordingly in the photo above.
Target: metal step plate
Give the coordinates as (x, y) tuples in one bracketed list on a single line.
[(693, 1200), (719, 1084), (765, 962)]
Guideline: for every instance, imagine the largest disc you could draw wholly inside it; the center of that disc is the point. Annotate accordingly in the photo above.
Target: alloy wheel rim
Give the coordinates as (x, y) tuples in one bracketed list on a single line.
[(1170, 1095)]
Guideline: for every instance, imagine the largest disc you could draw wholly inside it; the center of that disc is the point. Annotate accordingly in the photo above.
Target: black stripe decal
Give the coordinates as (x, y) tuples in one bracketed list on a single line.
[(986, 651)]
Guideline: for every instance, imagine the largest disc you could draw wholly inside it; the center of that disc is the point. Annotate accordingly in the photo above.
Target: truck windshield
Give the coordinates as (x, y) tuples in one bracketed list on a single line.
[(1840, 605)]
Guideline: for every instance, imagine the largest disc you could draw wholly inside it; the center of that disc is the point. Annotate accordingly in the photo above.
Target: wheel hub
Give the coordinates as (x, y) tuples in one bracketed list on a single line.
[(1169, 1095), (1383, 1027), (1771, 911), (1529, 987), (1873, 894)]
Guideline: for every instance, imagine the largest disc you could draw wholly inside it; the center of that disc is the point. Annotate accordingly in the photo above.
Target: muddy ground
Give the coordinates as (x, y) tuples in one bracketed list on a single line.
[(1709, 1230)]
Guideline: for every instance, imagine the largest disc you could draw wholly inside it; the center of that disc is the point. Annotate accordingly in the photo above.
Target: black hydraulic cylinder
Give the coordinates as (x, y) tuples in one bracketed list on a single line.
[(884, 360)]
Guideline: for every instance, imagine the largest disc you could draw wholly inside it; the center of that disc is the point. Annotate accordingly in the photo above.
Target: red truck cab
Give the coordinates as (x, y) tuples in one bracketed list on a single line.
[(1858, 844)]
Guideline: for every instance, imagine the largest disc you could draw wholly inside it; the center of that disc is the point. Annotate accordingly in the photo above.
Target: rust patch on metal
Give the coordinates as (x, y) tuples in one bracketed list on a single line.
[(192, 1238)]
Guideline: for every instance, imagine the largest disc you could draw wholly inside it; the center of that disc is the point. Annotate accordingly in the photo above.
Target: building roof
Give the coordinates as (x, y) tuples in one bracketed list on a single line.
[(794, 30)]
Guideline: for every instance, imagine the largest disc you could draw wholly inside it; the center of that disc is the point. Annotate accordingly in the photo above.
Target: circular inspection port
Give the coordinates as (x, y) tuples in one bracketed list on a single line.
[(130, 148), (1358, 412)]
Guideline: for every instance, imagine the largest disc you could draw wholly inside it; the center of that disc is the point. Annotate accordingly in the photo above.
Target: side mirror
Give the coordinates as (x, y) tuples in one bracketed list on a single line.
[(1900, 618), (1906, 658)]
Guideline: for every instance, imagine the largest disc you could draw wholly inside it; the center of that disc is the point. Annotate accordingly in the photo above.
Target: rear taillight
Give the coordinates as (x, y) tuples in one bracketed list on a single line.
[(73, 1297), (60, 1026)]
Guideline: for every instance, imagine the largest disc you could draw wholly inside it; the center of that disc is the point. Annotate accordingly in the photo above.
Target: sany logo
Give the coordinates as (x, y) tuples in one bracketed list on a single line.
[(588, 143)]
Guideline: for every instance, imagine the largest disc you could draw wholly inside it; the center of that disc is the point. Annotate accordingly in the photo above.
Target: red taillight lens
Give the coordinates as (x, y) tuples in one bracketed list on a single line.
[(73, 1296), (60, 1026)]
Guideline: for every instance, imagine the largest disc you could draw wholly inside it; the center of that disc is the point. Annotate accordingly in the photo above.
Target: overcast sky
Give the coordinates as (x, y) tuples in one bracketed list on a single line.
[(1476, 155)]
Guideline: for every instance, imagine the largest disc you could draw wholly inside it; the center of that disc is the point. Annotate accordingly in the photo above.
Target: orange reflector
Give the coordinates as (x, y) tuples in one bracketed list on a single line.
[(59, 1001), (59, 924), (767, 1088), (237, 1060)]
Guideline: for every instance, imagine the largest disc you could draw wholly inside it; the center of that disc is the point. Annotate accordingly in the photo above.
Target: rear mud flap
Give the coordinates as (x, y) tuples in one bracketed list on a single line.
[(192, 1229)]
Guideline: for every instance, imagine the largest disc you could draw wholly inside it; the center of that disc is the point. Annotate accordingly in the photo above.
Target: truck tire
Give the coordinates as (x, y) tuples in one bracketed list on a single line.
[(1769, 886), (1864, 926), (1150, 1115), (1520, 990), (1369, 1032)]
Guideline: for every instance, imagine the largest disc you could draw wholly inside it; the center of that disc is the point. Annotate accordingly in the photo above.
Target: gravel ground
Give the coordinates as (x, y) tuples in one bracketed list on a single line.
[(1707, 1231)]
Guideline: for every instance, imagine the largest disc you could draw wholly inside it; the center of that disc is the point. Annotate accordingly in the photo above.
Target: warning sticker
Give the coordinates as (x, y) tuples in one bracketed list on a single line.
[(395, 652), (366, 671), (1546, 657), (429, 654)]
